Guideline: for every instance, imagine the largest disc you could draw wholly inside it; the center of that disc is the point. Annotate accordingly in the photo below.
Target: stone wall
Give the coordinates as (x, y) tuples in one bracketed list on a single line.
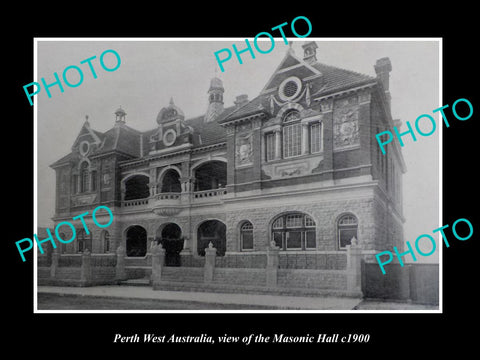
[(251, 277), (324, 213), (318, 279), (416, 282)]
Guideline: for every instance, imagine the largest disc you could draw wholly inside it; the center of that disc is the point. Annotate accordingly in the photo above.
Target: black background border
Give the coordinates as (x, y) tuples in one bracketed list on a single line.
[(409, 334)]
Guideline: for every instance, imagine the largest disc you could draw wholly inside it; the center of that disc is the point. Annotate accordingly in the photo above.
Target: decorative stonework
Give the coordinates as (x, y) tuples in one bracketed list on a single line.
[(345, 123), (244, 150), (326, 105), (167, 211), (83, 199)]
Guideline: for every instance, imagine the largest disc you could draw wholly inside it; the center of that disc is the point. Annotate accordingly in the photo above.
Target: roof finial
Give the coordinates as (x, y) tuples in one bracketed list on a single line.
[(171, 100)]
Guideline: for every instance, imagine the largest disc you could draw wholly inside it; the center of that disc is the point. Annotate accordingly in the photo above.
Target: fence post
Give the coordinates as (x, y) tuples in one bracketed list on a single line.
[(120, 273), (354, 267), (158, 259), (272, 264), (86, 272), (210, 255), (54, 264)]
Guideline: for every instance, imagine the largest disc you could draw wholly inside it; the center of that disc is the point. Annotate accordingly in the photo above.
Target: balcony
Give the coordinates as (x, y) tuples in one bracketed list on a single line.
[(135, 202), (208, 196)]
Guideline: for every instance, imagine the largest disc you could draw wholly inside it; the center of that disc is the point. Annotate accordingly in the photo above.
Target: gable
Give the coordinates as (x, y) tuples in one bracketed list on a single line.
[(290, 65), (87, 134)]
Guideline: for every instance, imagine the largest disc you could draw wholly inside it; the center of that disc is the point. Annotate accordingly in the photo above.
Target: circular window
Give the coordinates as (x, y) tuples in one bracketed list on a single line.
[(84, 148), (290, 88), (169, 137)]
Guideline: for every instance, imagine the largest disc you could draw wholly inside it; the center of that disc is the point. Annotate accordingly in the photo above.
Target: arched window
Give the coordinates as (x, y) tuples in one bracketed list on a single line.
[(213, 231), (136, 241), (84, 177), (136, 187), (84, 241), (347, 229), (294, 231), (106, 241), (211, 175), (171, 182), (246, 236)]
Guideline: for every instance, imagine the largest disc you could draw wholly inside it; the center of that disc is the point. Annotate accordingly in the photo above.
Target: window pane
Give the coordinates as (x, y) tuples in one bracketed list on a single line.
[(270, 146), (346, 236), (94, 180), (247, 240), (310, 242), (294, 221), (277, 237), (278, 224), (294, 240), (247, 226), (74, 184), (292, 140), (315, 138), (348, 220), (309, 221)]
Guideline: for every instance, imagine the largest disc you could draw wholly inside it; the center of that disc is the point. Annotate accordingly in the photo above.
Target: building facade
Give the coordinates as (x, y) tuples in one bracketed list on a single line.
[(297, 166)]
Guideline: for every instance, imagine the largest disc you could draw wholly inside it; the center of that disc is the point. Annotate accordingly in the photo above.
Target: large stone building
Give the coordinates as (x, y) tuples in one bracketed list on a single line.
[(297, 165)]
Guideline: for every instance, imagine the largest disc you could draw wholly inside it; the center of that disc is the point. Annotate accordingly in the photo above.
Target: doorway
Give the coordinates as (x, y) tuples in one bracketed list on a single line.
[(172, 241)]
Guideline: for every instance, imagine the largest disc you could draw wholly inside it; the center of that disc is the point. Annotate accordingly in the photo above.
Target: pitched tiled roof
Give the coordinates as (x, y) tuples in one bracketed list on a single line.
[(210, 132), (332, 79), (335, 79)]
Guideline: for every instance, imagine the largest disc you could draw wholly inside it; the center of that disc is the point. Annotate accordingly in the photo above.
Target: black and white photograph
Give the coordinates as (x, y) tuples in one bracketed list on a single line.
[(260, 187), (230, 181)]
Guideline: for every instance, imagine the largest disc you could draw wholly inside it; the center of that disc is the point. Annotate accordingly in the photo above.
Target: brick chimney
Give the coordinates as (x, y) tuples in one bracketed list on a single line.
[(241, 100), (383, 67), (310, 52)]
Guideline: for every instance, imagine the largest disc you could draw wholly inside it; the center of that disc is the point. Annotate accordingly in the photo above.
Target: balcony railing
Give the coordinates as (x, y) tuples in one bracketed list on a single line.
[(175, 199), (167, 196), (135, 202), (209, 193)]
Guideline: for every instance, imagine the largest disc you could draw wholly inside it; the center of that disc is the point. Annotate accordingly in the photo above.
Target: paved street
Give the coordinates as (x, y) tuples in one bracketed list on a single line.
[(144, 298)]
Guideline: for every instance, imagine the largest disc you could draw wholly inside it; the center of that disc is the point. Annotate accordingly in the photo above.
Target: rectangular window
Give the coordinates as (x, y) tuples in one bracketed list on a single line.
[(247, 240), (292, 140), (294, 240), (346, 236), (310, 242), (270, 146), (278, 237), (316, 138), (74, 184), (85, 181), (94, 180)]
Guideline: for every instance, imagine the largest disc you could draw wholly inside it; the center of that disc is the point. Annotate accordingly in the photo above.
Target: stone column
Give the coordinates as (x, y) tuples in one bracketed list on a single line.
[(278, 144), (122, 190), (272, 264), (158, 259), (354, 267), (210, 255), (120, 273), (54, 264), (305, 141), (86, 271)]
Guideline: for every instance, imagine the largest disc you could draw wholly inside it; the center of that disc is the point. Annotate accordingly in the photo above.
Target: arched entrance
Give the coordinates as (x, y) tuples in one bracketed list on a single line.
[(212, 231), (136, 241), (170, 237)]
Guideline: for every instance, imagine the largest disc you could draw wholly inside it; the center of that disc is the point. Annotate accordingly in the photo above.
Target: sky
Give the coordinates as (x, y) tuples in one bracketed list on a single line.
[(152, 72)]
